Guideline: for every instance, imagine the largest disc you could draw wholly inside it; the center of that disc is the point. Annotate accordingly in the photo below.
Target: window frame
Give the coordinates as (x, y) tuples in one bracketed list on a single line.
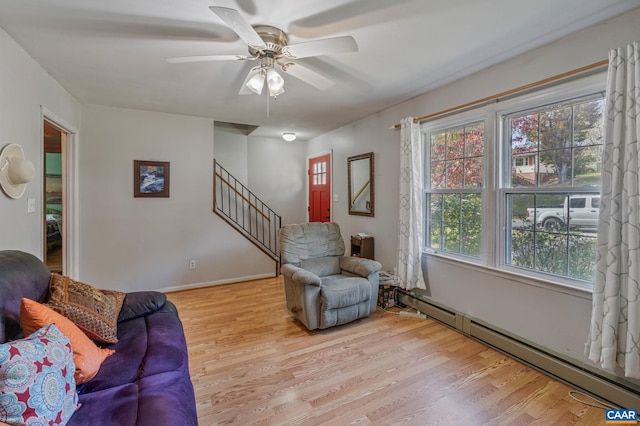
[(448, 123), (497, 173)]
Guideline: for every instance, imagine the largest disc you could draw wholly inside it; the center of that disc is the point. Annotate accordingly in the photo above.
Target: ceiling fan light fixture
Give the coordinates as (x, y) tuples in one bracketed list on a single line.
[(255, 80), (275, 82), (289, 136)]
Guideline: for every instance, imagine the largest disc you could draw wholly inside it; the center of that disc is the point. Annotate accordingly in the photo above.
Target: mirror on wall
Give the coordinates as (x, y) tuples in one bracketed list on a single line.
[(361, 184)]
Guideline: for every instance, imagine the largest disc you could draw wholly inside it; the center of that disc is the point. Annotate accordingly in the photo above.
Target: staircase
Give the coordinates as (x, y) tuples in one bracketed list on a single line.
[(244, 211)]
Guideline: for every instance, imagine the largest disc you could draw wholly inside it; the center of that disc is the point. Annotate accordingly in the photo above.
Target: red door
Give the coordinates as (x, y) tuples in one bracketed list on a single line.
[(320, 189)]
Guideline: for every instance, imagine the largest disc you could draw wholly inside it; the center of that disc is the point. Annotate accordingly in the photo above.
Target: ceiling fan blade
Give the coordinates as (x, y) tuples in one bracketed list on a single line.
[(184, 59), (321, 47), (308, 76), (237, 23)]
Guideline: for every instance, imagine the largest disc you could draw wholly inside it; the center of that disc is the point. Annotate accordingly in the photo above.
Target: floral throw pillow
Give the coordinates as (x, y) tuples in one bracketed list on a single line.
[(36, 379)]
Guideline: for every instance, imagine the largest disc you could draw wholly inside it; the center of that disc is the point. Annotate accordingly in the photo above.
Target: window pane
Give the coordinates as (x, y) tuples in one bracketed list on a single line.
[(587, 166), (582, 259), (471, 209), (524, 134), (474, 140), (438, 146), (520, 207), (473, 172), (451, 208), (524, 170), (470, 240), (454, 174), (452, 237), (588, 127), (455, 144), (551, 252), (522, 248), (555, 167), (436, 207), (438, 177), (435, 224), (555, 128), (435, 237)]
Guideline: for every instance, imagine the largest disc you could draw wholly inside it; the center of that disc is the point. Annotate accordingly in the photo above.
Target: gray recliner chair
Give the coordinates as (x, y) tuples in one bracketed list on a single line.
[(323, 287)]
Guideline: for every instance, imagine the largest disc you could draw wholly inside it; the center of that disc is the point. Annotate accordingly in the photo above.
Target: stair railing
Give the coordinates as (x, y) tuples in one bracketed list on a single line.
[(243, 210)]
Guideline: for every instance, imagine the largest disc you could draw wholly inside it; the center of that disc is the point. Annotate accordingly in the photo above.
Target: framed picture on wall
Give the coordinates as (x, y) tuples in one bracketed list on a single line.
[(150, 178)]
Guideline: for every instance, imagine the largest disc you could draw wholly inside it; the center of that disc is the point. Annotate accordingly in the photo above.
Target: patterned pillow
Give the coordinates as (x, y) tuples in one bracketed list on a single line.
[(94, 311), (36, 379)]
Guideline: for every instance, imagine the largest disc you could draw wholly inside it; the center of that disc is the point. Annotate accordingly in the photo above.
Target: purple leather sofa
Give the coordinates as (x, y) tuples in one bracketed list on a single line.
[(146, 382)]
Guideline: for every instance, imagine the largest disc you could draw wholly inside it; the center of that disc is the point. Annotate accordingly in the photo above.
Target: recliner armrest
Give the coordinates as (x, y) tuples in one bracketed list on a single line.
[(299, 275), (359, 265)]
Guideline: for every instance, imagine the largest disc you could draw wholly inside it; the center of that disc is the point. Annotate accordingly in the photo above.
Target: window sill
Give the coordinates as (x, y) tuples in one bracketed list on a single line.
[(511, 275)]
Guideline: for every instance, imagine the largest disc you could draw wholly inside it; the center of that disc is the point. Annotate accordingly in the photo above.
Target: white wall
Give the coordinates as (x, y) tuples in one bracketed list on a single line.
[(132, 243), (542, 314), (277, 175), (24, 88), (367, 135), (231, 149)]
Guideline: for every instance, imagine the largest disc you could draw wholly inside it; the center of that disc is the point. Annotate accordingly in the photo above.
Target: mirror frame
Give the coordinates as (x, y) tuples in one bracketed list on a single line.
[(371, 184)]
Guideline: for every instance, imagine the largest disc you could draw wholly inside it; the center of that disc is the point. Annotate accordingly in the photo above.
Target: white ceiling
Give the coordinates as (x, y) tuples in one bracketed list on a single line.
[(112, 52)]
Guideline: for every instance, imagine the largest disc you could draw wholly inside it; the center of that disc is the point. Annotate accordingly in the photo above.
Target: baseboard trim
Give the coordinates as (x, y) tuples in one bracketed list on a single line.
[(214, 283), (598, 383)]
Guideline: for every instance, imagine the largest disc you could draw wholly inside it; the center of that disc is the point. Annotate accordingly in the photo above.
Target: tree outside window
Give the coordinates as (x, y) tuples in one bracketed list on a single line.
[(454, 197)]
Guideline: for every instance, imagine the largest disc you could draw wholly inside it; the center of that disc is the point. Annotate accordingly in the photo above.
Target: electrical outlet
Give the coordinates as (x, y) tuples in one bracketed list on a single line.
[(192, 264)]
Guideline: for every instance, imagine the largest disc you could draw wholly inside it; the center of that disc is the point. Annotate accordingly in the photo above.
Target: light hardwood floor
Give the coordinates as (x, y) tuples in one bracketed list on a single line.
[(251, 363)]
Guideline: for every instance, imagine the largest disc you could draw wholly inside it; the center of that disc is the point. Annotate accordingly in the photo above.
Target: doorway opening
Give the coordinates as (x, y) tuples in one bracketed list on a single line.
[(54, 197)]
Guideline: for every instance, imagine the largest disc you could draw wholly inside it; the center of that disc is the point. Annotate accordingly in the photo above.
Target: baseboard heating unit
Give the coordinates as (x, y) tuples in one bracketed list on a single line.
[(597, 383)]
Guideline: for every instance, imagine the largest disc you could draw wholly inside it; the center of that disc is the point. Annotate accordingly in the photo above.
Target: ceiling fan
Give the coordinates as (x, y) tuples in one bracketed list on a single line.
[(270, 46)]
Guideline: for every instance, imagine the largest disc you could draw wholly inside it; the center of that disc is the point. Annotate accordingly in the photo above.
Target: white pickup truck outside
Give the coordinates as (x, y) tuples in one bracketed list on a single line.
[(580, 211)]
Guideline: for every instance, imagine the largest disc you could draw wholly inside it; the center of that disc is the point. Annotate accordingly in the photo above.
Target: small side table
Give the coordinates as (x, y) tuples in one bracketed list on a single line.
[(362, 246)]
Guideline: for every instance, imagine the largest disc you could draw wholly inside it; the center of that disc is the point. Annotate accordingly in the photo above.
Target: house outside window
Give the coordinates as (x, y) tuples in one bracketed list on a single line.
[(515, 186)]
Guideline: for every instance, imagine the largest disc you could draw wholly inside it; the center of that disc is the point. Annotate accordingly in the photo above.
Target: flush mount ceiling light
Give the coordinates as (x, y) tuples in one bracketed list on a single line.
[(289, 136), (270, 46)]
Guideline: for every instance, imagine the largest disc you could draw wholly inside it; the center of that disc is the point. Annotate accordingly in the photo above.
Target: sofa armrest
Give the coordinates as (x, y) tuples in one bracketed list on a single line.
[(140, 303), (299, 275), (359, 265)]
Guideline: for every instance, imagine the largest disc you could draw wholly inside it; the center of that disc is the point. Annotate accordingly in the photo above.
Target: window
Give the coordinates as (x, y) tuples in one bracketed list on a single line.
[(552, 218), (515, 185), (320, 173), (454, 195)]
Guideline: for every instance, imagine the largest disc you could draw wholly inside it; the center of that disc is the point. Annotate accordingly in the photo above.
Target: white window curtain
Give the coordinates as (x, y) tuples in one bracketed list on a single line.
[(410, 224), (615, 320)]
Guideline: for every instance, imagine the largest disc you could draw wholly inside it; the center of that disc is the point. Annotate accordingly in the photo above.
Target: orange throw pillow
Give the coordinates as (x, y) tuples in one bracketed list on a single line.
[(86, 355)]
